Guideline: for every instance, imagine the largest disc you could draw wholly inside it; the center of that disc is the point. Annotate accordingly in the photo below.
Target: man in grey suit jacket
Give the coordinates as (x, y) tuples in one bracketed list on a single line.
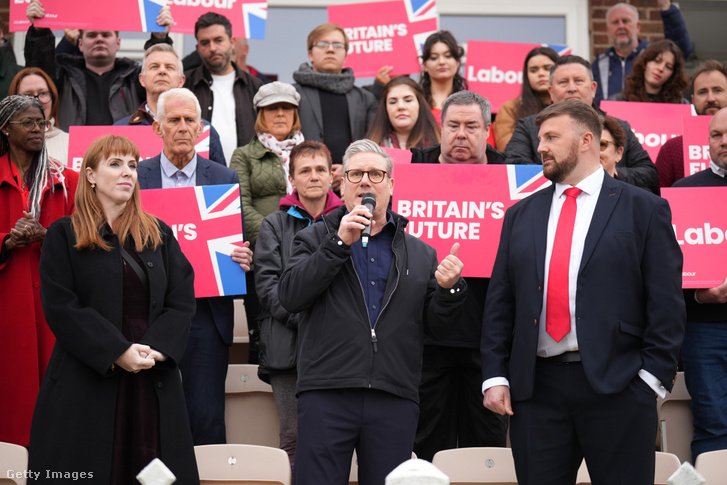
[(332, 110), (204, 365)]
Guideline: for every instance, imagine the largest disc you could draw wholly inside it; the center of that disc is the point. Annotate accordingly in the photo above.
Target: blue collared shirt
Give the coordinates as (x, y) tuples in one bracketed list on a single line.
[(173, 177), (372, 265)]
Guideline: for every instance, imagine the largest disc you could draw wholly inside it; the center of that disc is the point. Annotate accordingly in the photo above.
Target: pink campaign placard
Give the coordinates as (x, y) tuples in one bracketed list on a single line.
[(148, 143), (207, 222), (398, 155), (696, 143), (125, 15), (248, 17), (385, 34), (446, 204), (652, 123), (495, 69), (701, 230)]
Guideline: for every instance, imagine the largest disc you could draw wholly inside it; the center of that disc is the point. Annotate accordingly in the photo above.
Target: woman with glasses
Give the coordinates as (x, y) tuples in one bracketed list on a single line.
[(613, 138), (332, 109), (32, 81), (34, 191)]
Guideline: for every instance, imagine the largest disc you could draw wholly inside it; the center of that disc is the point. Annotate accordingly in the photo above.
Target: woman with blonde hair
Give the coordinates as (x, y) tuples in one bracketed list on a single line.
[(119, 296)]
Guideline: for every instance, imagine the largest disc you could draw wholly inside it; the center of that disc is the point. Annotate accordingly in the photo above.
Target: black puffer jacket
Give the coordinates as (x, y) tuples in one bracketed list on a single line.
[(338, 349)]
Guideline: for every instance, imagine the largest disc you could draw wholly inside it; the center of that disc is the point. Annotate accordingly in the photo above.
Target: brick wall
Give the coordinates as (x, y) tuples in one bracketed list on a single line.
[(651, 25)]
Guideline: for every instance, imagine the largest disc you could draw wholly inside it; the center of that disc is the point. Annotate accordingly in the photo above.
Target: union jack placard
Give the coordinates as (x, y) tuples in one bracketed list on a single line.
[(207, 222)]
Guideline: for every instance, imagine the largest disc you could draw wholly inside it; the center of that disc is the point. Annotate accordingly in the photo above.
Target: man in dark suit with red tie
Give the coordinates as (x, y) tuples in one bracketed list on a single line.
[(584, 315)]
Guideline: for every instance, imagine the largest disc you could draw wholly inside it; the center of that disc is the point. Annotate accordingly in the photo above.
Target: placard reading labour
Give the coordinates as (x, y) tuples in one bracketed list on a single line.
[(495, 69), (652, 123), (701, 230), (248, 17)]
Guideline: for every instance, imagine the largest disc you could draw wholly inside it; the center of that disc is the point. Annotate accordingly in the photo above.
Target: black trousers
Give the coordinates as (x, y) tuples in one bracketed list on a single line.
[(566, 420), (332, 423), (451, 413), (204, 369)]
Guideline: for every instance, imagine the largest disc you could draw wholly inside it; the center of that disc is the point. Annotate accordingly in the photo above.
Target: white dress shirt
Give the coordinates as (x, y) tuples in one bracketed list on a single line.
[(586, 206)]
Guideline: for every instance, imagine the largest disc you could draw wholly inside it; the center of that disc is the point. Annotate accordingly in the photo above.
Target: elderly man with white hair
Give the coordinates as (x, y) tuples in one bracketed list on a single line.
[(204, 365)]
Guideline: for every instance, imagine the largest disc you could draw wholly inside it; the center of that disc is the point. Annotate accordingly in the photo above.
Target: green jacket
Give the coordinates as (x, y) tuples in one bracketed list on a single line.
[(262, 184)]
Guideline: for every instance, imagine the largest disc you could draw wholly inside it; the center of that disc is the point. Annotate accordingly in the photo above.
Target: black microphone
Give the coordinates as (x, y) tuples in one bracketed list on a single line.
[(368, 201)]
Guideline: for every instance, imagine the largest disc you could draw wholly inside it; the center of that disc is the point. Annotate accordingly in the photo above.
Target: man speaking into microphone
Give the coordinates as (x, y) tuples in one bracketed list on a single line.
[(363, 315)]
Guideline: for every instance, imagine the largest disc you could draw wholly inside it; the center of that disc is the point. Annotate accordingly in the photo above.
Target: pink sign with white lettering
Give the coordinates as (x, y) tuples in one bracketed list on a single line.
[(385, 34)]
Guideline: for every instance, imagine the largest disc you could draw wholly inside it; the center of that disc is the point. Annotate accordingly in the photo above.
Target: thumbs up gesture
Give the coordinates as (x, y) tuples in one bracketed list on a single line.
[(449, 269)]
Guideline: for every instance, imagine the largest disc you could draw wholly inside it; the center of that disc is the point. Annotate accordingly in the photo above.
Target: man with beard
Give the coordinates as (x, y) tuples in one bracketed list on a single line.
[(709, 95), (225, 91), (571, 78), (584, 315)]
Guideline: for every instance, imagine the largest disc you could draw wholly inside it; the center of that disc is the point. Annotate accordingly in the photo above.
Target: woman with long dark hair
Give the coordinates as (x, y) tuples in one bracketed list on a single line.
[(404, 118), (657, 77), (34, 191), (441, 61), (533, 97)]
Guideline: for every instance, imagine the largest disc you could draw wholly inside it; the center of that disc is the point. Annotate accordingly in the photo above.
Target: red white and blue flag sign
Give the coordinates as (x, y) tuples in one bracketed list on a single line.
[(495, 69), (207, 222), (386, 34), (446, 204), (125, 15), (248, 17)]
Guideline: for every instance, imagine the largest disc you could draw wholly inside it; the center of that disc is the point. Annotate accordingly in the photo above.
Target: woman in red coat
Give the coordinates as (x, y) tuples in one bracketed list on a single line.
[(34, 192)]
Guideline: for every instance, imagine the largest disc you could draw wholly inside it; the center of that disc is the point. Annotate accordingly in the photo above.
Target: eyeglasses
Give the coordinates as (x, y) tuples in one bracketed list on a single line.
[(29, 124), (322, 44), (606, 143), (43, 96), (375, 176)]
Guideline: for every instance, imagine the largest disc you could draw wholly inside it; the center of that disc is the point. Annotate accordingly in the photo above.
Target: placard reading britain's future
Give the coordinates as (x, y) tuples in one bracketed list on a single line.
[(386, 34)]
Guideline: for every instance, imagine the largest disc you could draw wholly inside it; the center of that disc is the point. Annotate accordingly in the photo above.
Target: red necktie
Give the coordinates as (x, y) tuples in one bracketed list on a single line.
[(557, 310)]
